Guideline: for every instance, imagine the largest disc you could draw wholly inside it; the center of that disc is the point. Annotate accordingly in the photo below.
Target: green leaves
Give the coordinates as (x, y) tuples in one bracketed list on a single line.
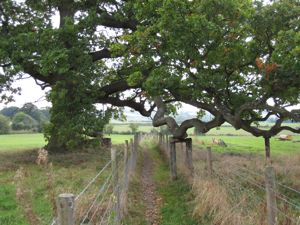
[(135, 78), (55, 62)]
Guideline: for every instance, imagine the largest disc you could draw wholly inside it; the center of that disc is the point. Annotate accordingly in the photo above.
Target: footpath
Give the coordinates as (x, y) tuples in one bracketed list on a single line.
[(158, 200)]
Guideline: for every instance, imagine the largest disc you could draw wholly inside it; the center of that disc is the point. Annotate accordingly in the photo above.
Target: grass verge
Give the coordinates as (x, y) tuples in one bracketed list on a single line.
[(176, 195), (136, 207)]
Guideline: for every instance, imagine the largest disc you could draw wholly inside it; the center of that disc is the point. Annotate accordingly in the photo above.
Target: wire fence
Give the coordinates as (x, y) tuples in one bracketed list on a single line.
[(279, 202), (103, 199)]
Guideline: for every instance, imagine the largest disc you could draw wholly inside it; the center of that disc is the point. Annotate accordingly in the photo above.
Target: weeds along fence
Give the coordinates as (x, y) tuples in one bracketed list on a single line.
[(107, 202), (235, 190)]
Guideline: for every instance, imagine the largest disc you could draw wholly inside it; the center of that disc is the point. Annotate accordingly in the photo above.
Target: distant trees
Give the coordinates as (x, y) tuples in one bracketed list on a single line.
[(27, 118), (134, 127), (22, 121), (108, 129), (9, 111), (4, 124)]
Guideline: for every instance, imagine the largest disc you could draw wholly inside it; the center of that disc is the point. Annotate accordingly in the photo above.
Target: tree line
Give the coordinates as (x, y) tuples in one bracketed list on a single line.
[(28, 118)]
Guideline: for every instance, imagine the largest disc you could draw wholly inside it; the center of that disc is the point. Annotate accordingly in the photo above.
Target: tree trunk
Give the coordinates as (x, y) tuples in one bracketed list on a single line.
[(63, 132), (55, 145)]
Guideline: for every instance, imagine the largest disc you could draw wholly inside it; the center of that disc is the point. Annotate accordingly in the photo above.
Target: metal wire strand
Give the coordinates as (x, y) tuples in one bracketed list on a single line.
[(92, 181), (101, 190), (108, 207), (100, 203), (261, 187)]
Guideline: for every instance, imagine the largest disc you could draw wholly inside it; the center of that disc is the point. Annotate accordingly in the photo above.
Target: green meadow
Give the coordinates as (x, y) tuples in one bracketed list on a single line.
[(17, 142), (249, 144), (73, 170)]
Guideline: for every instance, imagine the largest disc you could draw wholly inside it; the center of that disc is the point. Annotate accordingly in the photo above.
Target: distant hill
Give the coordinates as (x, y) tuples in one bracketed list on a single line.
[(133, 116)]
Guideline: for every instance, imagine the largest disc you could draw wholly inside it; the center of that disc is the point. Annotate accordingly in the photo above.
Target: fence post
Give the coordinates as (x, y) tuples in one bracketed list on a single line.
[(189, 155), (271, 195), (160, 139), (209, 161), (131, 156), (126, 179), (167, 143), (173, 159), (116, 189), (135, 149), (66, 209)]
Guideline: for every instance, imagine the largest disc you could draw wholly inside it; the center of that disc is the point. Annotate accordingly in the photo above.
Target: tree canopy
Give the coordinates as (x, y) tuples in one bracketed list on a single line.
[(236, 59), (23, 121)]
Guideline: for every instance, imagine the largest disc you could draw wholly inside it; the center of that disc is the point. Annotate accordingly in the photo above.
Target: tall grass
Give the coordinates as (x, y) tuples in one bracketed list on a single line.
[(235, 193)]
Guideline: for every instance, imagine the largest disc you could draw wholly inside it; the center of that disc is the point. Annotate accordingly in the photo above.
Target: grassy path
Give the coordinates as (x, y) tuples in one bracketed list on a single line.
[(153, 198), (176, 197), (150, 196)]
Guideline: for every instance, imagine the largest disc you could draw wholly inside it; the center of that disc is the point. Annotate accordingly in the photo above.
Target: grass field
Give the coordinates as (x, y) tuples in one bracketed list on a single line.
[(17, 142), (221, 131), (119, 138), (71, 173), (73, 170), (246, 144), (250, 144)]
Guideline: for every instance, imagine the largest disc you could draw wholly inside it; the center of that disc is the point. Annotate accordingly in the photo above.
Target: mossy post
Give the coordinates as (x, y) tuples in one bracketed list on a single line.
[(116, 188), (160, 139), (173, 168), (167, 142), (131, 168), (189, 155), (271, 195), (66, 209), (135, 149), (126, 178), (209, 161)]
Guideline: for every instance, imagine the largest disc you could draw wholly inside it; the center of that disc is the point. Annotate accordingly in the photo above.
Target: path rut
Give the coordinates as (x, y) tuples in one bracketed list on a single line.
[(150, 196)]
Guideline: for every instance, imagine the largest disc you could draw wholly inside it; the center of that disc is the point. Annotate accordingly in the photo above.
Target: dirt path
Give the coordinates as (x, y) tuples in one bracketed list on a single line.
[(150, 197)]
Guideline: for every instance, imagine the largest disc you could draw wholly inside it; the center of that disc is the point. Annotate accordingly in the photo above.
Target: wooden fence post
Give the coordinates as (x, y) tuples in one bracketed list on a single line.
[(167, 143), (135, 149), (66, 209), (160, 139), (189, 155), (131, 156), (209, 161), (116, 189), (271, 195), (173, 160), (126, 179)]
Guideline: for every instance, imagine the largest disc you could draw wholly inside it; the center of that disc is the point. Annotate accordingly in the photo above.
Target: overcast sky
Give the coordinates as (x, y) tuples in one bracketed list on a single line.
[(31, 92)]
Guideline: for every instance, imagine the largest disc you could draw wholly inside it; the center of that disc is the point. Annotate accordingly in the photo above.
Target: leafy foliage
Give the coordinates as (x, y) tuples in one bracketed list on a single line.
[(230, 58), (4, 124), (41, 116), (22, 121)]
